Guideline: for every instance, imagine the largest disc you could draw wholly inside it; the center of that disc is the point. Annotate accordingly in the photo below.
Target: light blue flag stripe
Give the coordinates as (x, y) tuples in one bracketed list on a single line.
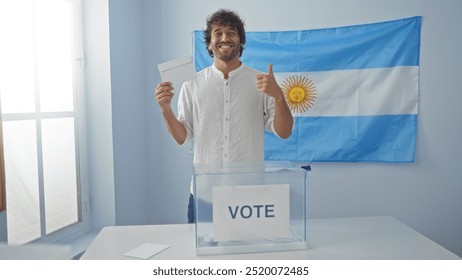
[(375, 45), (389, 138)]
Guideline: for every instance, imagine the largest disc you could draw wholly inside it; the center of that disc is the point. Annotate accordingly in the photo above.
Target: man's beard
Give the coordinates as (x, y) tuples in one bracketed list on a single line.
[(226, 56)]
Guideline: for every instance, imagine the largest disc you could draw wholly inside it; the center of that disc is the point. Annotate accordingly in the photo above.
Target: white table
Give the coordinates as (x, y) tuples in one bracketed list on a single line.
[(35, 252), (360, 238)]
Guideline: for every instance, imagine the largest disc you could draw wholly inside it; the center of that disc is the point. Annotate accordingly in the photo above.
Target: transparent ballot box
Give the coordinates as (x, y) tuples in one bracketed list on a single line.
[(249, 207)]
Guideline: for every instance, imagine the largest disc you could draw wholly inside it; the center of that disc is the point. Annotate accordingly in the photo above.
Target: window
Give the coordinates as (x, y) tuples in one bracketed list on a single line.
[(41, 100)]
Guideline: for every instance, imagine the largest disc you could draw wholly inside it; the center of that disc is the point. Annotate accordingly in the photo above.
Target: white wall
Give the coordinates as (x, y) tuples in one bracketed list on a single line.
[(152, 173), (128, 114)]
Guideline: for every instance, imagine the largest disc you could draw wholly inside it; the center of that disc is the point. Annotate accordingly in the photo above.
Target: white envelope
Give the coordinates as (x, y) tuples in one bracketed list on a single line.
[(178, 71), (146, 250)]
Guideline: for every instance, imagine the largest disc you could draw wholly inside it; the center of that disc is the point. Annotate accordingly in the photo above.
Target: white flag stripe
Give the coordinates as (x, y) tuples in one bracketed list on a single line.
[(362, 92)]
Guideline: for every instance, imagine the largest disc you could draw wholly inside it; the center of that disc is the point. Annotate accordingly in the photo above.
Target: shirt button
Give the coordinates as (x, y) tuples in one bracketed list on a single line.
[(226, 119)]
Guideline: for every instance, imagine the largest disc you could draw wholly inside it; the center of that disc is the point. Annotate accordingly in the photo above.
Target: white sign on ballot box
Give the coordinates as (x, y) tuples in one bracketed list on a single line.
[(251, 212)]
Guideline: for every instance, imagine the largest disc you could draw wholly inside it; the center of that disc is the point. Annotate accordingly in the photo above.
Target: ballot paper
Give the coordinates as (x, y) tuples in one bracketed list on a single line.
[(178, 71), (146, 250)]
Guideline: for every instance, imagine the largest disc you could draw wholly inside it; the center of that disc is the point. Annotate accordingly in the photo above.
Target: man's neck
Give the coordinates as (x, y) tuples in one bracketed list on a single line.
[(227, 66)]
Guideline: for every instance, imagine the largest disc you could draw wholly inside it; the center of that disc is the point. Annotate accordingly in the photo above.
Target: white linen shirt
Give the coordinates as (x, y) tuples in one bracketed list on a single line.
[(225, 118)]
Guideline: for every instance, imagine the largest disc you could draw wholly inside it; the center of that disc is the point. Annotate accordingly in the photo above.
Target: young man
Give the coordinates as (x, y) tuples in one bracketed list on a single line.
[(229, 105)]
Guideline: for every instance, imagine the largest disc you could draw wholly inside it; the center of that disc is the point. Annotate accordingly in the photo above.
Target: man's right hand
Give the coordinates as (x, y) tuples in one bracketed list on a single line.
[(164, 95)]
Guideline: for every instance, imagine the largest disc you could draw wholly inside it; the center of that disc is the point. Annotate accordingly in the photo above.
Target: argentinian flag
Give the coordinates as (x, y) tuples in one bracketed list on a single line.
[(353, 90)]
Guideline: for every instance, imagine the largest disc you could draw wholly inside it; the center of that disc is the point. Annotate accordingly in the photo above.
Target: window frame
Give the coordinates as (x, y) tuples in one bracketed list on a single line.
[(82, 226)]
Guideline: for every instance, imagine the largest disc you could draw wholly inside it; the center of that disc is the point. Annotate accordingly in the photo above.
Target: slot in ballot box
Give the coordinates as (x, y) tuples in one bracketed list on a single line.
[(249, 207)]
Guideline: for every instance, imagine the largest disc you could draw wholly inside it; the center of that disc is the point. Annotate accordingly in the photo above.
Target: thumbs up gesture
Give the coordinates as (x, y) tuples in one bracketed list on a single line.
[(266, 83)]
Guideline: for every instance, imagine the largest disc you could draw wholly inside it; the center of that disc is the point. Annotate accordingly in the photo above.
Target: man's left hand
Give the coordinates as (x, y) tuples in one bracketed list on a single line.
[(267, 83)]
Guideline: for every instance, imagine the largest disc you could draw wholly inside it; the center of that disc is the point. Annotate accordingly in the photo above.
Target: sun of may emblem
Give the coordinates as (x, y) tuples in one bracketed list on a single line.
[(300, 93)]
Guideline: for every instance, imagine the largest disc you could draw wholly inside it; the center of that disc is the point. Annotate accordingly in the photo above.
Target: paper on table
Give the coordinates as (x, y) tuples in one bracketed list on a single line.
[(177, 71), (146, 250)]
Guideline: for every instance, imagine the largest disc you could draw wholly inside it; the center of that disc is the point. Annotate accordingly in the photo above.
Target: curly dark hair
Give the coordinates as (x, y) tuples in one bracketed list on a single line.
[(224, 18)]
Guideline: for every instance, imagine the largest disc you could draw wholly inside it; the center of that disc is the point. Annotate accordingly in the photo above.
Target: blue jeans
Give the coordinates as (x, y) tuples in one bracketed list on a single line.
[(191, 210)]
